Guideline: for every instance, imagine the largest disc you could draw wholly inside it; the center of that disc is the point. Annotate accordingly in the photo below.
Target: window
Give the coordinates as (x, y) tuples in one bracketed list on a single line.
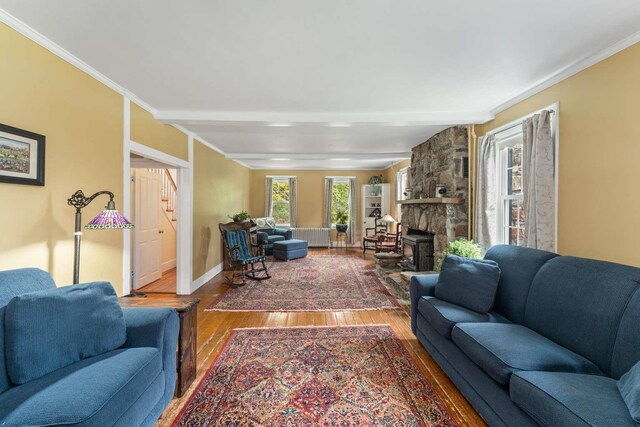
[(281, 195), (402, 182), (339, 199), (511, 220)]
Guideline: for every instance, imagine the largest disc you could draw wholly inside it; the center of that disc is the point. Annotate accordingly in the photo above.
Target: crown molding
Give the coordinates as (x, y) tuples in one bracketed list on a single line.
[(566, 72)]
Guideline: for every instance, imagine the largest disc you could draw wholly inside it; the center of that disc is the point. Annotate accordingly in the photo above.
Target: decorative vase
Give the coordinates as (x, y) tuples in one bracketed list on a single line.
[(341, 228)]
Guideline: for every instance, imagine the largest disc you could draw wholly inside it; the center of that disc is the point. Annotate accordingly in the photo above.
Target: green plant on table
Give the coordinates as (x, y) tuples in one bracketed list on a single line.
[(341, 216), (462, 247), (240, 217)]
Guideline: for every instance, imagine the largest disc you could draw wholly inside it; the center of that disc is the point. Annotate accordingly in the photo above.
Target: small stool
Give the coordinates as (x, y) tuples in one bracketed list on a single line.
[(290, 249), (341, 237)]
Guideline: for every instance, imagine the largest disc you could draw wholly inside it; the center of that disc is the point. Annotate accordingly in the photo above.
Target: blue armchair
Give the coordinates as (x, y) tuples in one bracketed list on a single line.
[(130, 385), (272, 235)]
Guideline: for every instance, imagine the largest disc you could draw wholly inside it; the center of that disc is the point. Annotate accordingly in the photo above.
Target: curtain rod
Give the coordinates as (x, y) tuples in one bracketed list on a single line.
[(518, 122)]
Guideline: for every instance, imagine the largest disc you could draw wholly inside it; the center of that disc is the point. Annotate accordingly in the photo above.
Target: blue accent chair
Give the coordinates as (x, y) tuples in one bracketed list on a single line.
[(129, 386), (561, 332), (268, 236)]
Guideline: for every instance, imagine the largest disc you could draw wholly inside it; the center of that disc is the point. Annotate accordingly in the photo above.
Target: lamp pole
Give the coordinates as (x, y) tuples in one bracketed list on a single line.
[(78, 200)]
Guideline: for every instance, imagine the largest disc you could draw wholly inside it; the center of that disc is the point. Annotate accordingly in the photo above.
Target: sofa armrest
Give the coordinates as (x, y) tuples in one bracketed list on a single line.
[(287, 233), (153, 327), (420, 285), (262, 236)]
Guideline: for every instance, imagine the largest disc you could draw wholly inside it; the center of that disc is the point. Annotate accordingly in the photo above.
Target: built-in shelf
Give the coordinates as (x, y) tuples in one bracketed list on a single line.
[(434, 201)]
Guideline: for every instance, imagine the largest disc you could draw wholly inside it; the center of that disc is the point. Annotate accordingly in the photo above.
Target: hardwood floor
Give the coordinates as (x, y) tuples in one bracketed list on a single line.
[(165, 284), (214, 328)]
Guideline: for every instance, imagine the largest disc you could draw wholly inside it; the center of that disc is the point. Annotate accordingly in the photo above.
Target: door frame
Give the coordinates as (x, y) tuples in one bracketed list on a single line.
[(184, 223)]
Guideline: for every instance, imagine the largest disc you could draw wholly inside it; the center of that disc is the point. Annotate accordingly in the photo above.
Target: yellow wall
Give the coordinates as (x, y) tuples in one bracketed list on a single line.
[(310, 193), (599, 157), (221, 188), (148, 131), (390, 176), (82, 121)]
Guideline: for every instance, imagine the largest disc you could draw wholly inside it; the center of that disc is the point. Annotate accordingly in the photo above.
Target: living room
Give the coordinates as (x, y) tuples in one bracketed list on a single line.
[(425, 131)]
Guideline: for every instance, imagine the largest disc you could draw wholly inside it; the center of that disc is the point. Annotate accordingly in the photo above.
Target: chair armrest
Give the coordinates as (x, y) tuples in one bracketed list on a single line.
[(287, 233), (420, 285), (153, 327), (262, 236)]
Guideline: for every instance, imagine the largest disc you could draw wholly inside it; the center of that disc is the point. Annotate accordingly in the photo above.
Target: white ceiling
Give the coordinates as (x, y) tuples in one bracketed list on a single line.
[(394, 72)]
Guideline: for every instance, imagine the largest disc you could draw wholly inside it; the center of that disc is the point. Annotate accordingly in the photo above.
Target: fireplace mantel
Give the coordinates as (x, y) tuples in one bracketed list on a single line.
[(434, 201)]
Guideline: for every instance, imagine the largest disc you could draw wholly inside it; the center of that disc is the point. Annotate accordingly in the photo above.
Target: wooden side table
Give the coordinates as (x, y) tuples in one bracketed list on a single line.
[(187, 345)]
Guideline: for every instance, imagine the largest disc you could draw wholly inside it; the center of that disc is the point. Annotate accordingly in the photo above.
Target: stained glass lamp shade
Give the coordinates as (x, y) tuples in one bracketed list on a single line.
[(109, 218)]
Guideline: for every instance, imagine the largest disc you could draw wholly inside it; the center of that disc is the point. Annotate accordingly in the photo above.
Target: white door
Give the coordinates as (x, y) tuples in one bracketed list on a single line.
[(148, 251)]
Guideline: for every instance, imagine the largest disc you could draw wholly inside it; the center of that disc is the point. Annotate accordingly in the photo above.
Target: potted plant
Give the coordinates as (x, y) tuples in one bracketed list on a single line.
[(463, 247), (240, 217), (342, 219)]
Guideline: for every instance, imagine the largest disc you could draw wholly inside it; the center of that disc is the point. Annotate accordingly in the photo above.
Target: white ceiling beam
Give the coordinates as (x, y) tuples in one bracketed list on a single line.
[(196, 117), (319, 156)]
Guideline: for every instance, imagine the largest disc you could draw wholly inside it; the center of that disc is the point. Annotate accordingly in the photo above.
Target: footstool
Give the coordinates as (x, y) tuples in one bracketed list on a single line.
[(290, 249)]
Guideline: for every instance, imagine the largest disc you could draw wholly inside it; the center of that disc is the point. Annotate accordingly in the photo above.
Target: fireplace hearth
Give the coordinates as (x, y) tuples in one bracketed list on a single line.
[(418, 251)]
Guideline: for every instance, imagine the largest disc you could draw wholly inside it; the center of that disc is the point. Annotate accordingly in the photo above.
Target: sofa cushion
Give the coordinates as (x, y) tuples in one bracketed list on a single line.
[(96, 391), (443, 315), (629, 386), (53, 328), (569, 399), (501, 349), (581, 305), (471, 283), (518, 267), (274, 238)]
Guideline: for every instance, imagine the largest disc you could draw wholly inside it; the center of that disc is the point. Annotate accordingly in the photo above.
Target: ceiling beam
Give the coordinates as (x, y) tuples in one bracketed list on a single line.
[(201, 117), (319, 156)]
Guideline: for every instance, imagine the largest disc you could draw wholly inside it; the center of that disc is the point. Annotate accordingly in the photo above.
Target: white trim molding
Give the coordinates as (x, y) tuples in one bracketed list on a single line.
[(206, 277), (168, 265), (126, 196)]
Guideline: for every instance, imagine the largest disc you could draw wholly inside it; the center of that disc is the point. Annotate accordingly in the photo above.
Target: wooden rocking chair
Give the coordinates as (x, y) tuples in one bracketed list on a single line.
[(244, 258)]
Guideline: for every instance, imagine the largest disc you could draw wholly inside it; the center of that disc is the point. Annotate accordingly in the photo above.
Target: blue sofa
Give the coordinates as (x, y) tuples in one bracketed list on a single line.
[(129, 386), (269, 236), (561, 332)]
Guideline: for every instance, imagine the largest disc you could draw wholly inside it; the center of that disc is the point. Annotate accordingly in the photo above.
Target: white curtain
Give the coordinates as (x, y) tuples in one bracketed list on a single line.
[(538, 182), (352, 210), (268, 196), (328, 192), (293, 201), (486, 193)]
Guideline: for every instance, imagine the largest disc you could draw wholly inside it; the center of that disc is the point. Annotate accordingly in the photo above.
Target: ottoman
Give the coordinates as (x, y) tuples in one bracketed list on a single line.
[(290, 249)]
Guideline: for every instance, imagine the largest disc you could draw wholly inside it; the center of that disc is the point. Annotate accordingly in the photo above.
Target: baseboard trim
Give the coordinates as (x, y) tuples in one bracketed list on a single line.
[(206, 277), (168, 265)]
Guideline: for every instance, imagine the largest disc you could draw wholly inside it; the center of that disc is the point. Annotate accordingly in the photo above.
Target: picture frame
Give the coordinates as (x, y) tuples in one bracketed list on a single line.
[(22, 155)]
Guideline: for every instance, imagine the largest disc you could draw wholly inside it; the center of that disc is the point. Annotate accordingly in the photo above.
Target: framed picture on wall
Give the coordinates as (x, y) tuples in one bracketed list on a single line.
[(21, 156)]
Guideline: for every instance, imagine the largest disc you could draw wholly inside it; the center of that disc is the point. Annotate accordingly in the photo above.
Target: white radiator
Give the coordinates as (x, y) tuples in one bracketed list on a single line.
[(315, 236)]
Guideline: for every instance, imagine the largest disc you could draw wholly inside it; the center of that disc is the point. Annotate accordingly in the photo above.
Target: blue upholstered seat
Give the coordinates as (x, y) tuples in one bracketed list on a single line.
[(568, 399), (271, 235), (443, 316), (501, 349), (290, 249), (79, 395), (239, 247)]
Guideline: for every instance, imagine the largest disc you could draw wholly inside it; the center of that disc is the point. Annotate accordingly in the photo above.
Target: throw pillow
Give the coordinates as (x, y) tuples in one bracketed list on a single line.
[(629, 386), (470, 283), (50, 329)]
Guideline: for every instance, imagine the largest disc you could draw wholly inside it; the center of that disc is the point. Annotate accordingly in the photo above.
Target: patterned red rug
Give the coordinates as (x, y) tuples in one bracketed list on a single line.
[(310, 376), (314, 283)]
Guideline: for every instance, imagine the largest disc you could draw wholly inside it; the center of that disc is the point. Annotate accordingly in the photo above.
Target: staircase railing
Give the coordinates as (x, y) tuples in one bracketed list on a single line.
[(168, 193)]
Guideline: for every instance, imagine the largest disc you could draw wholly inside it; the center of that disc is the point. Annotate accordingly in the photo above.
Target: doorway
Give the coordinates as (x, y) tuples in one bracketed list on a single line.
[(154, 196)]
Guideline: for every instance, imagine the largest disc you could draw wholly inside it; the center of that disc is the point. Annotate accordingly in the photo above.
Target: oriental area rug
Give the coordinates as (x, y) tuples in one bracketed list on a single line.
[(314, 283), (314, 376)]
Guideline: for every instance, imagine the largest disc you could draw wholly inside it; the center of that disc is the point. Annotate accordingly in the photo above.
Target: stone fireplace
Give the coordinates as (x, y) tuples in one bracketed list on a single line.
[(440, 161)]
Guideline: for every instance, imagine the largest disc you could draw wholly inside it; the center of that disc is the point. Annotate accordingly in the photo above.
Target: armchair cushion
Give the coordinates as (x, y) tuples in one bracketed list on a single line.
[(471, 283), (50, 329), (629, 386)]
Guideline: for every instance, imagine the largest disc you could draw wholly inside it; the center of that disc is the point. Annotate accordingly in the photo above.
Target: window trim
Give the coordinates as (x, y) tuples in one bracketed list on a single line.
[(512, 128), (281, 179), (502, 146), (340, 180), (399, 191)]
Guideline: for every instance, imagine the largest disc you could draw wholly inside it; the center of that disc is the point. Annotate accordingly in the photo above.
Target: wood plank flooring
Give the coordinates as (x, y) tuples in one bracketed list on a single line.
[(165, 284), (214, 328)]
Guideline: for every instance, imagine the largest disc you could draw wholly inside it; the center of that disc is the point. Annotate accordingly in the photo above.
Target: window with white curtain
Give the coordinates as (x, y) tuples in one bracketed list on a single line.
[(402, 182), (280, 192), (510, 212)]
